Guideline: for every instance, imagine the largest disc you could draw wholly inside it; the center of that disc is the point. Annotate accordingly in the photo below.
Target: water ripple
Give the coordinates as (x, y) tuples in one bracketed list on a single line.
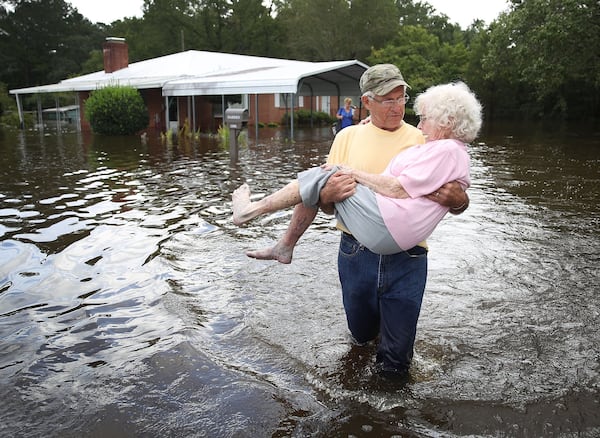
[(127, 302)]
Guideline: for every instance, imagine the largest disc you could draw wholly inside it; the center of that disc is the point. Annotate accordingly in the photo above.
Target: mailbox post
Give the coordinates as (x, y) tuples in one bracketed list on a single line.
[(235, 119)]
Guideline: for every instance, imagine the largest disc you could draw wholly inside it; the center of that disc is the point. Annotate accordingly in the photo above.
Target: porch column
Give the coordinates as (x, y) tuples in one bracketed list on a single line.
[(20, 111)]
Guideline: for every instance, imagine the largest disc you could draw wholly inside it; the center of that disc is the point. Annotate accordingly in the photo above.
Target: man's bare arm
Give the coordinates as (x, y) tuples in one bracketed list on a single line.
[(339, 187), (451, 195)]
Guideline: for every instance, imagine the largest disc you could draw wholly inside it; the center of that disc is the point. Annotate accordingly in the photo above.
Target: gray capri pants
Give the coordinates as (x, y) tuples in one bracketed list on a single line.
[(359, 213)]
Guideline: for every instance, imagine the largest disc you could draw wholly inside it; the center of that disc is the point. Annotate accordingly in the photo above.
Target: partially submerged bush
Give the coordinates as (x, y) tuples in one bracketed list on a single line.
[(10, 119), (116, 110), (303, 117), (6, 103)]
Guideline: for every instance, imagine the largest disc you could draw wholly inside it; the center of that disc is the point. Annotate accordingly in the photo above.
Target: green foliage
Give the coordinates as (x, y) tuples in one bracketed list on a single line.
[(116, 110), (169, 26), (5, 100), (8, 111), (304, 117), (166, 28), (94, 63), (327, 20), (43, 42), (325, 30), (423, 14), (379, 19), (251, 30), (223, 133), (544, 56), (11, 120), (422, 59), (541, 58)]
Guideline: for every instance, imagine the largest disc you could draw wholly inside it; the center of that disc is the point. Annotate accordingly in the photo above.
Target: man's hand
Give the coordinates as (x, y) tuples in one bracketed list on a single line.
[(339, 187), (451, 195)]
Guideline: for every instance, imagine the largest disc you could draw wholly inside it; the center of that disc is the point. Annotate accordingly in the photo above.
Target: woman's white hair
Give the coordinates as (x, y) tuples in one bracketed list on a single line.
[(453, 108)]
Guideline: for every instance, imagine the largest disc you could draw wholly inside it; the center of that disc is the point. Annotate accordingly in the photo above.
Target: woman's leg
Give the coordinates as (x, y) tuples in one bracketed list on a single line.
[(306, 188), (283, 250), (245, 210)]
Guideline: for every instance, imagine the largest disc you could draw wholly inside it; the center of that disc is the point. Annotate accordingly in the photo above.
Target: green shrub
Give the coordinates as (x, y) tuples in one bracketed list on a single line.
[(116, 110), (10, 119), (6, 103), (303, 117)]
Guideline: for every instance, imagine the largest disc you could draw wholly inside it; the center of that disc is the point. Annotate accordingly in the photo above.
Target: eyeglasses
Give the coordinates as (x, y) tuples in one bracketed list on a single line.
[(391, 102), (422, 118)]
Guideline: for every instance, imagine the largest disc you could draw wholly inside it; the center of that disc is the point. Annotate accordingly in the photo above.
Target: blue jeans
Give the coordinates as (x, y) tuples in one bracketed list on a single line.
[(382, 295)]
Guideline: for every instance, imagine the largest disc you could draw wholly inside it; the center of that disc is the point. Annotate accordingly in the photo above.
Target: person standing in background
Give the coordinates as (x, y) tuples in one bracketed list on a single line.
[(345, 115)]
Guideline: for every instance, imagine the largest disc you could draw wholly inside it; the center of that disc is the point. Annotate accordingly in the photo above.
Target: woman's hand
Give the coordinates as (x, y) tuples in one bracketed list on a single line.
[(340, 169)]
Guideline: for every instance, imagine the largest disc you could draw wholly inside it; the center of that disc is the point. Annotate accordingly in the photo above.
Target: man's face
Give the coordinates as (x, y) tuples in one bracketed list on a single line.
[(384, 115)]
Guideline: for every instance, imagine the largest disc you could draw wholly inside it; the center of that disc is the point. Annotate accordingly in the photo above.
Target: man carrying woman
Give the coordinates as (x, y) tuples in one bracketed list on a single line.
[(382, 293)]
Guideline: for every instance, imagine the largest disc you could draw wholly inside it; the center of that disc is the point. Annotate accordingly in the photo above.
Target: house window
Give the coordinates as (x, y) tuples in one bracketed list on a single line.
[(218, 101), (281, 100), (325, 104)]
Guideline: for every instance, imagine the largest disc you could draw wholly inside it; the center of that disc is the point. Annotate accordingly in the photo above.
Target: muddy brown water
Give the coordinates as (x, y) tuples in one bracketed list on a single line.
[(128, 307)]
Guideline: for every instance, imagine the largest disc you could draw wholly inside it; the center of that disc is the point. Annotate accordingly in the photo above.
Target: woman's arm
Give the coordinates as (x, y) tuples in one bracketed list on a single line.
[(382, 184)]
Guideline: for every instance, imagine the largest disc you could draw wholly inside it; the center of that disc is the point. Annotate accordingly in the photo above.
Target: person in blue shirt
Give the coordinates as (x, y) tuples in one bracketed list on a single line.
[(345, 115)]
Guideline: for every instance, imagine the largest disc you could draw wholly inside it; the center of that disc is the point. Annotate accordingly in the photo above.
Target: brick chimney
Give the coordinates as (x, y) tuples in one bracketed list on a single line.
[(116, 54)]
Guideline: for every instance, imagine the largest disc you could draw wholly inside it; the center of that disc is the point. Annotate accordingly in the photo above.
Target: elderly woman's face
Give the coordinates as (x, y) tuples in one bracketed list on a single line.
[(384, 115), (429, 128), (425, 125)]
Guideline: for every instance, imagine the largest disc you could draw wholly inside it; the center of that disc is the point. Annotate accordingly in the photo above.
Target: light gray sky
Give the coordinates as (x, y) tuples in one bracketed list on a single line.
[(462, 12)]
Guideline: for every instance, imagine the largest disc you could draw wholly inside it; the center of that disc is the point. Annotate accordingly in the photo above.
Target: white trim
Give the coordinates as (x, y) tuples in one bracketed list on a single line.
[(194, 73)]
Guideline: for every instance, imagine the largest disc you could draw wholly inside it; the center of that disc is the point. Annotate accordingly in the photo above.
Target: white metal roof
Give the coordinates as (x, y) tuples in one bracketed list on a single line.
[(210, 73)]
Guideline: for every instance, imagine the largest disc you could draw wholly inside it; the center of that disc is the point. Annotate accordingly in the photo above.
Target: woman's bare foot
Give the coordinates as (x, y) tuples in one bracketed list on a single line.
[(280, 252), (241, 202)]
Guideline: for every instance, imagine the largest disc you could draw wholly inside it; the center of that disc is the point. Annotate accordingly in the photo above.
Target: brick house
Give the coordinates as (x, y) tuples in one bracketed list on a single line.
[(196, 86)]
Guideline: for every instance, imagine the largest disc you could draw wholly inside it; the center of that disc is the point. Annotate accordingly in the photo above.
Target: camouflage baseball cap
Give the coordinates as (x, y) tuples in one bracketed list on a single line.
[(380, 79)]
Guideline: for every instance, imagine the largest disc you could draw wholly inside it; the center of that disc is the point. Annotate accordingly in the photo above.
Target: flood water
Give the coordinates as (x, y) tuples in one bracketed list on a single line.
[(128, 307)]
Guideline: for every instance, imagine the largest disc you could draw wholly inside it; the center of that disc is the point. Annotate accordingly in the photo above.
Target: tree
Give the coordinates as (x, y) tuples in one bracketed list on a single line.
[(251, 30), (232, 26), (43, 41), (424, 15), (476, 39), (372, 24), (316, 30), (325, 30), (423, 60), (167, 27), (546, 53)]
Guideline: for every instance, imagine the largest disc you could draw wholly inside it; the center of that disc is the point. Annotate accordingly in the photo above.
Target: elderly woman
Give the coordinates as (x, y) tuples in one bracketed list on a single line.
[(391, 212)]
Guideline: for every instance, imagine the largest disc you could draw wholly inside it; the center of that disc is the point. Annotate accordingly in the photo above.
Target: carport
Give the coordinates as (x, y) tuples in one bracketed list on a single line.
[(201, 73)]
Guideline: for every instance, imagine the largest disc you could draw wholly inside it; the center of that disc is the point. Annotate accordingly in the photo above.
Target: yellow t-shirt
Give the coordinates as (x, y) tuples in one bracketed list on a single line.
[(368, 148)]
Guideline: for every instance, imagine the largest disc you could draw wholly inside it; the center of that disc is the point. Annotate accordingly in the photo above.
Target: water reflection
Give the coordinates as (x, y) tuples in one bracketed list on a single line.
[(128, 308)]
